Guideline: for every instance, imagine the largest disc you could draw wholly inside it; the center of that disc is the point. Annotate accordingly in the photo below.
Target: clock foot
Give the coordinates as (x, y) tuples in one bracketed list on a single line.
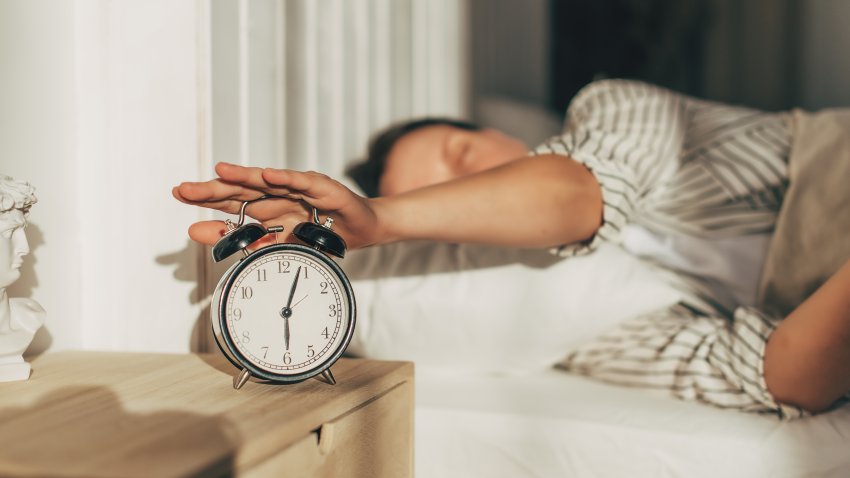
[(328, 377), (240, 379)]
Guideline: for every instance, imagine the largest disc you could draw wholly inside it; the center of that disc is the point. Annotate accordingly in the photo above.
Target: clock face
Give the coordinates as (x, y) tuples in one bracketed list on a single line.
[(287, 310)]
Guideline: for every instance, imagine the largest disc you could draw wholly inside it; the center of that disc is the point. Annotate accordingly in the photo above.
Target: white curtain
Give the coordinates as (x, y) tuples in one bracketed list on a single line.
[(303, 83)]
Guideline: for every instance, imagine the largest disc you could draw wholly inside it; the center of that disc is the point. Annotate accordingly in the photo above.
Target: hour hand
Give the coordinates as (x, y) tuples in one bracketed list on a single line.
[(286, 331)]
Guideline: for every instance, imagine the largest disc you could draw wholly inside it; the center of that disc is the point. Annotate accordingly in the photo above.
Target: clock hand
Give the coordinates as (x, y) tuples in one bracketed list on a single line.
[(286, 331), (299, 301), (286, 312), (294, 285)]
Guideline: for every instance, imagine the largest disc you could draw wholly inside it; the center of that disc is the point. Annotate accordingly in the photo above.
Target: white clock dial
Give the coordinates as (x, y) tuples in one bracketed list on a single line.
[(287, 312)]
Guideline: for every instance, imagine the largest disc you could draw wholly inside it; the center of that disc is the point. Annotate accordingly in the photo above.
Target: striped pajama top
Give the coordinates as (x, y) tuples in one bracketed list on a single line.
[(683, 167)]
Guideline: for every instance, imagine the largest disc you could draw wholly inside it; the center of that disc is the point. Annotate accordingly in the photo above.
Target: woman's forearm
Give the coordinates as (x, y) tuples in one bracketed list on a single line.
[(807, 359), (537, 201)]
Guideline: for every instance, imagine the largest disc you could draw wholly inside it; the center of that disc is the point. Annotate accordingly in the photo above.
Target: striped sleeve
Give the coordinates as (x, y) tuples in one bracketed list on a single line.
[(628, 134), (694, 356)]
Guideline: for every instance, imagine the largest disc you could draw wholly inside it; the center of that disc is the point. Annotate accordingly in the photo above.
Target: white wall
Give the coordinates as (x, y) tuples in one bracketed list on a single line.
[(104, 110), (37, 143)]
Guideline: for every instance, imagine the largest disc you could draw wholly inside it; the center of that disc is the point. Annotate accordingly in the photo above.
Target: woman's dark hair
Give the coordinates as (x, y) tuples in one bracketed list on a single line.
[(367, 173)]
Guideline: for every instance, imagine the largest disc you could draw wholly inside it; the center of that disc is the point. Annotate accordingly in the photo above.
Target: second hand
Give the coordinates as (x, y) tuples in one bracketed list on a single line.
[(299, 301)]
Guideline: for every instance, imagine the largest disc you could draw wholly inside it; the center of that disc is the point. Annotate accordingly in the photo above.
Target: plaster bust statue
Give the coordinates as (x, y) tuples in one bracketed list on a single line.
[(19, 318)]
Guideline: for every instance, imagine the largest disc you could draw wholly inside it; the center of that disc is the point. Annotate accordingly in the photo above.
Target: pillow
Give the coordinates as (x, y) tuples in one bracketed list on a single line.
[(810, 241), (469, 308)]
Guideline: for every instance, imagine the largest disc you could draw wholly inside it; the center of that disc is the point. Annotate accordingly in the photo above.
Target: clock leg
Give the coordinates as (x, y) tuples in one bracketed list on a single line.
[(240, 379), (328, 377)]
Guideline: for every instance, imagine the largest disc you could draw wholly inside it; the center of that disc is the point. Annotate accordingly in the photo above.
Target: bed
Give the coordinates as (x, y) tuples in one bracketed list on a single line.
[(454, 310), (552, 424)]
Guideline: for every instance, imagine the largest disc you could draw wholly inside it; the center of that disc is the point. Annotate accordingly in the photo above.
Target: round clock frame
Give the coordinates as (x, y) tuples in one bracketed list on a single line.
[(321, 242), (219, 314)]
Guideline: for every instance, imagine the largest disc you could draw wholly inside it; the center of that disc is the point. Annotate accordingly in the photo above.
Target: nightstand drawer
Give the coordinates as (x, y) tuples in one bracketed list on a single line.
[(372, 441)]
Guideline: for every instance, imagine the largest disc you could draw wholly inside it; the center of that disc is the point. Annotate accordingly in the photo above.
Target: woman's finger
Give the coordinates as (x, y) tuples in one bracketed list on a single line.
[(250, 177), (234, 182), (207, 232), (212, 191), (315, 188), (230, 206)]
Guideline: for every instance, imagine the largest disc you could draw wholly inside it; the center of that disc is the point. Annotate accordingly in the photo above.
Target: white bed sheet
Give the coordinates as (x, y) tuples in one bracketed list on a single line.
[(553, 424)]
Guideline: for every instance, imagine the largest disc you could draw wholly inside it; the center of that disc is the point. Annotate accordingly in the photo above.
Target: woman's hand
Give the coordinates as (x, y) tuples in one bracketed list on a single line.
[(539, 201), (354, 216)]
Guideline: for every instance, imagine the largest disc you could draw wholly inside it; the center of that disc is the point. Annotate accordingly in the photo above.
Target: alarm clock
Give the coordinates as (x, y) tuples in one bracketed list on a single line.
[(285, 312)]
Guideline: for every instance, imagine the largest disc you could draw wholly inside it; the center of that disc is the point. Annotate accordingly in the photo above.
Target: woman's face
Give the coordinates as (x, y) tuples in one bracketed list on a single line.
[(441, 153), (13, 246)]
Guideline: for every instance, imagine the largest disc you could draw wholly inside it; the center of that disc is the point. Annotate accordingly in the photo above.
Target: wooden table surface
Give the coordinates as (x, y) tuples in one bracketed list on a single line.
[(110, 414)]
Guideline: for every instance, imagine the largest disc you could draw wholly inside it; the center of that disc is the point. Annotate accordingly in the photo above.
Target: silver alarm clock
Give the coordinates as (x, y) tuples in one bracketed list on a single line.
[(283, 313)]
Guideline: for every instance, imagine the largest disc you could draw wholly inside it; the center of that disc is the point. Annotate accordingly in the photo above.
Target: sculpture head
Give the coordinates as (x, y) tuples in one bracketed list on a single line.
[(16, 198)]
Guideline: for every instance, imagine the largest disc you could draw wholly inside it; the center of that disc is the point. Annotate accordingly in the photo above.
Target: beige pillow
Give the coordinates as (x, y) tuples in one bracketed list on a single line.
[(812, 237)]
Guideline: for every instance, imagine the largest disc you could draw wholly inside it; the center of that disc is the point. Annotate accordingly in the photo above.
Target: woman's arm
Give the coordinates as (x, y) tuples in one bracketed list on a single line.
[(531, 202), (537, 201), (807, 359)]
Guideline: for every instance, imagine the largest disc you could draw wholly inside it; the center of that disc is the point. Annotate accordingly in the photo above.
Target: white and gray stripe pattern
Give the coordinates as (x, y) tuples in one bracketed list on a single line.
[(680, 165), (673, 163), (705, 358)]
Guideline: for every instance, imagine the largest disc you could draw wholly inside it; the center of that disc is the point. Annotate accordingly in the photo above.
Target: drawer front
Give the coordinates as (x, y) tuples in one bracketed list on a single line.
[(372, 441)]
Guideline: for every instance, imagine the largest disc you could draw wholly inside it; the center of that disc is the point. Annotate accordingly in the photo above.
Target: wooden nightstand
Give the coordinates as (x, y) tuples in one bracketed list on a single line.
[(113, 414)]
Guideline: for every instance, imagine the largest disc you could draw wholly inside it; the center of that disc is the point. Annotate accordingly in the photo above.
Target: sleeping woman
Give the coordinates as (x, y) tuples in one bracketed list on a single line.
[(686, 182)]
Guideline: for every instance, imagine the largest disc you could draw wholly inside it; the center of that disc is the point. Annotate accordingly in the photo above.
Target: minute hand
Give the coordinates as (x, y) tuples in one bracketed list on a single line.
[(292, 289)]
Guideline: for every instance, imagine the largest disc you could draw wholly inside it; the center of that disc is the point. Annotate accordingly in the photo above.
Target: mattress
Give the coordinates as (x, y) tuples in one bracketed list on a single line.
[(553, 424)]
